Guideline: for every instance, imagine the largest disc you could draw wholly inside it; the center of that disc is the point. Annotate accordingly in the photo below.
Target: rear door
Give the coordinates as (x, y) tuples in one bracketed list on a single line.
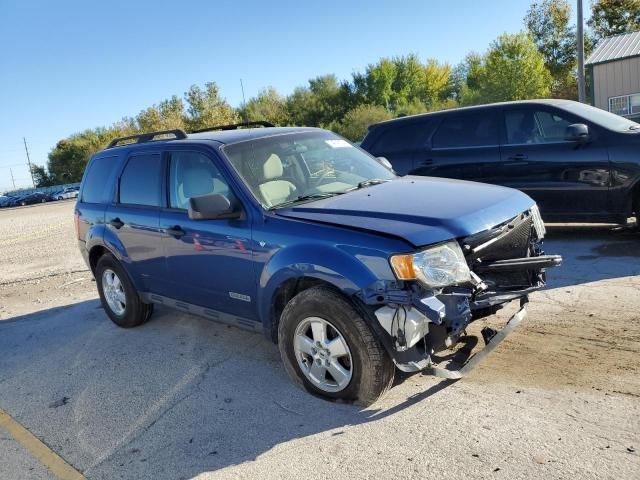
[(566, 178), (133, 220), (465, 145), (208, 261)]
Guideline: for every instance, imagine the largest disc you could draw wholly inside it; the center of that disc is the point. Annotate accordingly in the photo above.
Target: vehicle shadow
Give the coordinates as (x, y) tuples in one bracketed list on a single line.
[(174, 398), (592, 253)]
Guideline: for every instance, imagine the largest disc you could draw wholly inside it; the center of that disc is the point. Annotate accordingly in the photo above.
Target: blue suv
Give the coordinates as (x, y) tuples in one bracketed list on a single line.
[(297, 233)]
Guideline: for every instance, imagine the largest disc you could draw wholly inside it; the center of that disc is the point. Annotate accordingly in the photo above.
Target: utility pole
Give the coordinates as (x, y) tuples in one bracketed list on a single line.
[(29, 162), (581, 89), (12, 180)]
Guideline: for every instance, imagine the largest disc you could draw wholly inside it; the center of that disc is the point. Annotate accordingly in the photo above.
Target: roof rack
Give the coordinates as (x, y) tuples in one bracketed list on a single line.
[(147, 137), (235, 126)]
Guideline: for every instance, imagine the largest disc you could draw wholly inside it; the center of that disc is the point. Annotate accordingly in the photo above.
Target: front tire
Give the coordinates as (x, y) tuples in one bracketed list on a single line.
[(118, 296), (328, 348)]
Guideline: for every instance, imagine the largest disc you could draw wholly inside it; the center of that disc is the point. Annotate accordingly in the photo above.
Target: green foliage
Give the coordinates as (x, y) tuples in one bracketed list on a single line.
[(396, 82), (41, 177), (355, 122), (512, 69), (547, 22), (613, 17), (206, 108), (269, 106)]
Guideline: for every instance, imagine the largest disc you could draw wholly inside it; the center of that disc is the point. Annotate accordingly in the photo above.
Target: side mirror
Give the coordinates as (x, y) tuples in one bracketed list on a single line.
[(211, 207), (385, 162), (577, 132)]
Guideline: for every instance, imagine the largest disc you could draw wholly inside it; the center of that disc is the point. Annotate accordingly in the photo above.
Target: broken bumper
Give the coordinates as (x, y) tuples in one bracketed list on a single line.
[(454, 370)]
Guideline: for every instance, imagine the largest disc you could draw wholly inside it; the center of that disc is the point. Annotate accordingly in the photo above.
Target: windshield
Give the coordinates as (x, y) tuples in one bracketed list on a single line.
[(293, 168), (601, 117)]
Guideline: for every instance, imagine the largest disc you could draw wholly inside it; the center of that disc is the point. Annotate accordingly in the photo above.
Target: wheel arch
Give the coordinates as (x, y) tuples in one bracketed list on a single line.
[(293, 272)]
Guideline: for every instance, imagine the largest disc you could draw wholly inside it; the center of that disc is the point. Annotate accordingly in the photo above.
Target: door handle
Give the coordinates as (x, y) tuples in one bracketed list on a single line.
[(426, 162), (176, 231), (116, 223), (519, 156)]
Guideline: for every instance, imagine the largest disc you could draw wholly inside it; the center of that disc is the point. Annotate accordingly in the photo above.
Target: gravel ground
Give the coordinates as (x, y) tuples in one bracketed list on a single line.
[(181, 397)]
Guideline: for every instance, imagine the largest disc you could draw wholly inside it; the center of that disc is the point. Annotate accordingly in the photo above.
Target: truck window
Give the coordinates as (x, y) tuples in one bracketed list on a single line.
[(193, 174), (470, 130), (97, 184), (141, 181)]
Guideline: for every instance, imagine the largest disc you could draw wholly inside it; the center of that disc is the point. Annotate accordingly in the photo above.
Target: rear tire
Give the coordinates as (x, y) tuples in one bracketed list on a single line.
[(348, 362), (118, 296)]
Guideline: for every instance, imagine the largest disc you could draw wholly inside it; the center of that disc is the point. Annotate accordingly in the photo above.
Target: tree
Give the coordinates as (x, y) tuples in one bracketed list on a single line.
[(613, 17), (167, 115), (547, 22), (269, 106), (355, 122), (464, 76), (206, 108), (41, 177), (323, 101), (512, 69)]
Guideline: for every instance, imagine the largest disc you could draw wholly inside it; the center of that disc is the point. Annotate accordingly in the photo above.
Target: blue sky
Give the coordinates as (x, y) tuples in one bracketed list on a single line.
[(70, 65)]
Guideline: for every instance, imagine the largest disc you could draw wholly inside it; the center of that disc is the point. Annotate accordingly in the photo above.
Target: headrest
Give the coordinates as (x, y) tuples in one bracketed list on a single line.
[(272, 168), (197, 181)]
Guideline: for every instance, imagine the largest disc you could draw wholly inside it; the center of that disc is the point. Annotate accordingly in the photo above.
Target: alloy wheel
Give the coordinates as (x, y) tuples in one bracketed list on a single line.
[(113, 291), (323, 354)]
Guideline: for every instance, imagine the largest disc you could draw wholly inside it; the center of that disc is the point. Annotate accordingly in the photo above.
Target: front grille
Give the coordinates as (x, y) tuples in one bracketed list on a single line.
[(513, 239)]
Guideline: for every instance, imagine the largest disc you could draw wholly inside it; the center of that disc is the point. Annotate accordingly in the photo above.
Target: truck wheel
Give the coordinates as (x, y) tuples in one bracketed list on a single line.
[(118, 296), (328, 348)]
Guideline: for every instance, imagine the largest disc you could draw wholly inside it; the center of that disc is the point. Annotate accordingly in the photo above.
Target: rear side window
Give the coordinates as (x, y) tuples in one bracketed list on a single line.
[(471, 130), (401, 138), (97, 184), (141, 181)]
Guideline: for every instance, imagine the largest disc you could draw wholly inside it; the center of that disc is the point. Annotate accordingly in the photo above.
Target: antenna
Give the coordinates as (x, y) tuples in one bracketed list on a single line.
[(244, 103), (12, 180)]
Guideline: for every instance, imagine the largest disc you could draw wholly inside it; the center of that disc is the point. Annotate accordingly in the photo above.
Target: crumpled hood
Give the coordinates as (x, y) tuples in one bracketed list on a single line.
[(420, 210)]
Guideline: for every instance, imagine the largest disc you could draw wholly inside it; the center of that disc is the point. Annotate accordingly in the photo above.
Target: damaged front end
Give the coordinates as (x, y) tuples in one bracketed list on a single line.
[(423, 317)]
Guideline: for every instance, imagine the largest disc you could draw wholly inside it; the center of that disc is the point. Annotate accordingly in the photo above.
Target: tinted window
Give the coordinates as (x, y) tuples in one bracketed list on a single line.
[(141, 181), (192, 175), (531, 126), (97, 183), (401, 137), (471, 130)]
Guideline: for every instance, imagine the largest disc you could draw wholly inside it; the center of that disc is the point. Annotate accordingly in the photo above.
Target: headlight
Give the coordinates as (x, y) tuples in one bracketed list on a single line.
[(437, 266)]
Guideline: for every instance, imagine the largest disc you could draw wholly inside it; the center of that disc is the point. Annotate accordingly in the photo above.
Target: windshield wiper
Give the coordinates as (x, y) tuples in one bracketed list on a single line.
[(368, 183), (302, 198)]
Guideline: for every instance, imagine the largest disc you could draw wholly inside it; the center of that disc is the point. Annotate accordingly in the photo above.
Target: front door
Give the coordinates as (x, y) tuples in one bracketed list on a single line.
[(565, 178), (208, 261)]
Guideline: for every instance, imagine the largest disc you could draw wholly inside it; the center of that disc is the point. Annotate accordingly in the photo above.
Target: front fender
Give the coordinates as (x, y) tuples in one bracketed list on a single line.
[(339, 267)]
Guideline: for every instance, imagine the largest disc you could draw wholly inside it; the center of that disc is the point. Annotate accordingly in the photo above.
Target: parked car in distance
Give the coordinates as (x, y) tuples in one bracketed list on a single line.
[(579, 163), (296, 233), (68, 192), (29, 199)]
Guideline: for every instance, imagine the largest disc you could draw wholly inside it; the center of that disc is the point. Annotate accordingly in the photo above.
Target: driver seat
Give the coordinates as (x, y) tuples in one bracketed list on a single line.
[(274, 189)]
